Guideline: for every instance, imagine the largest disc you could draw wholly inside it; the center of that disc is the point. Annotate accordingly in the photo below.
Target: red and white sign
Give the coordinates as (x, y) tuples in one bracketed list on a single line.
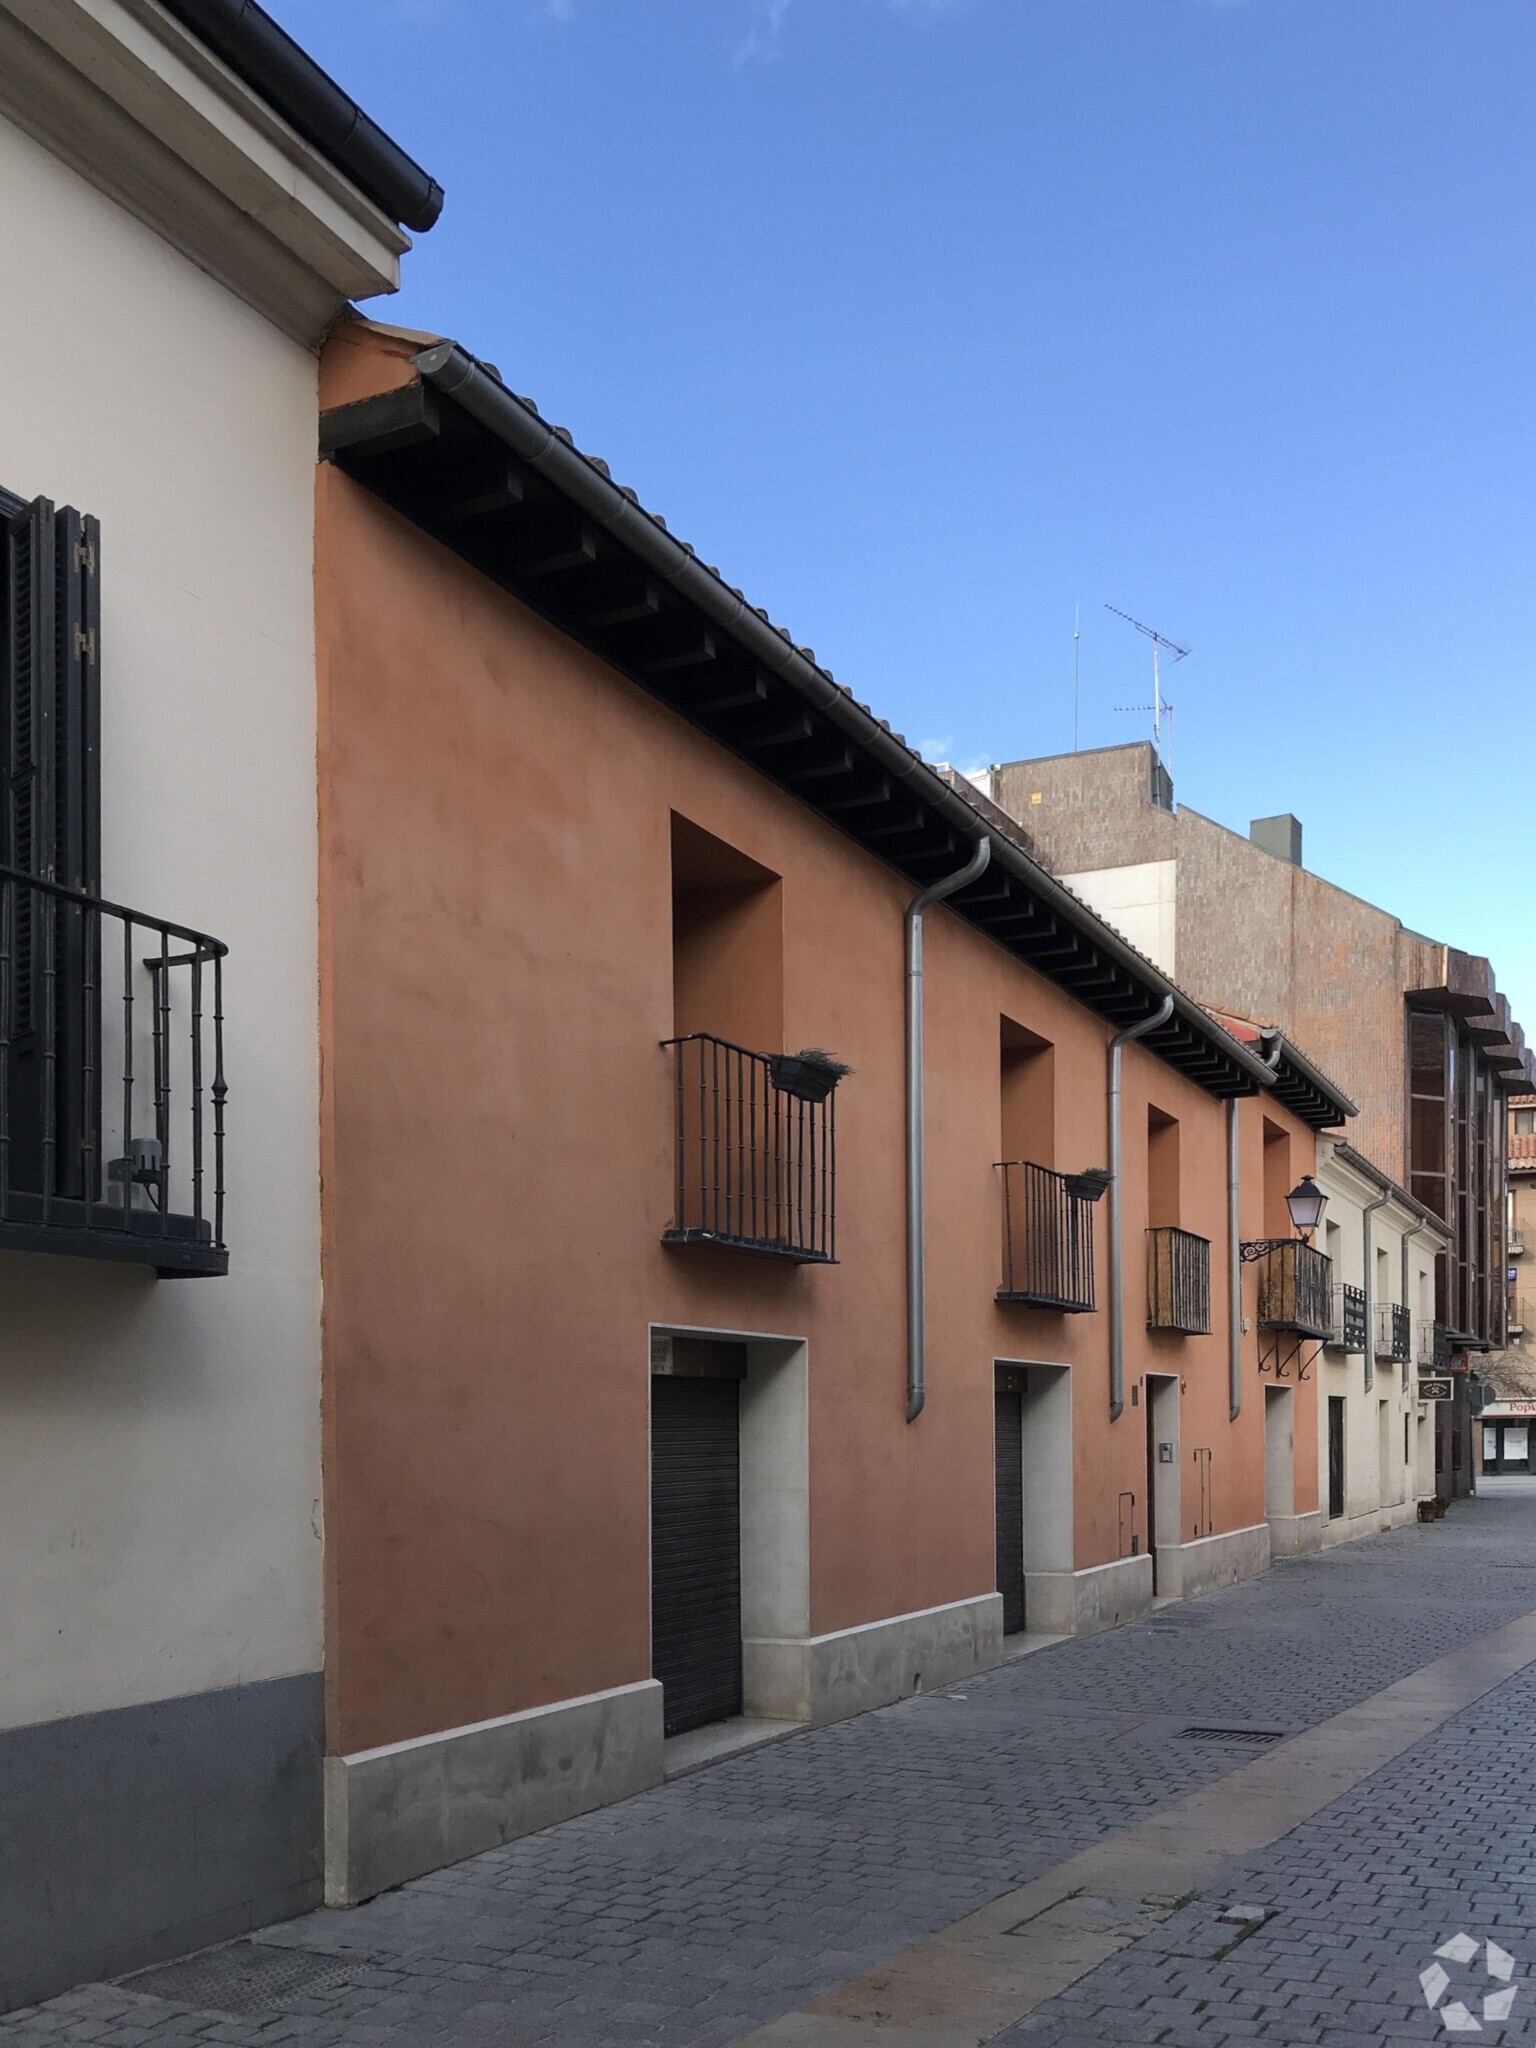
[(1497, 1410)]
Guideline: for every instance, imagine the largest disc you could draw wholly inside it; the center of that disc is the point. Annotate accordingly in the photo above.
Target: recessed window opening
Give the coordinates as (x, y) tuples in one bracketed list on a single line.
[(1028, 1095), (1162, 1169), (727, 942), (1277, 1180)]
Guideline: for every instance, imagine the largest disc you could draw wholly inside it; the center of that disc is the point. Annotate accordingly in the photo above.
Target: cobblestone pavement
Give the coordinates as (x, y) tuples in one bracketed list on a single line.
[(696, 1912)]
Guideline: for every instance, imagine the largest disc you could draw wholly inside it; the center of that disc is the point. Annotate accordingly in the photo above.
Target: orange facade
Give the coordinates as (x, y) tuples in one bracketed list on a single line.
[(534, 874)]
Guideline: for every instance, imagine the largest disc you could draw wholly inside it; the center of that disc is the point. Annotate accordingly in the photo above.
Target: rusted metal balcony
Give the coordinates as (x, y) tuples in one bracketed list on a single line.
[(1178, 1281), (1047, 1239), (1295, 1285), (112, 1088), (756, 1163)]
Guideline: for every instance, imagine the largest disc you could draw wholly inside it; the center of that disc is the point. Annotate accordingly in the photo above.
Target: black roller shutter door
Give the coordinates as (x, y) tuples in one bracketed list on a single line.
[(1008, 1449), (696, 1549)]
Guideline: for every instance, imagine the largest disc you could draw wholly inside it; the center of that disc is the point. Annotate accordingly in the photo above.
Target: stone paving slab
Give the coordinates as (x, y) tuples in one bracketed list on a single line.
[(694, 1913)]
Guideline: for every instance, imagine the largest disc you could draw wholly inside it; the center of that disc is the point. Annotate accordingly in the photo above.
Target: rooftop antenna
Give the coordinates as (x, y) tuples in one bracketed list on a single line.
[(1157, 707), (1077, 648)]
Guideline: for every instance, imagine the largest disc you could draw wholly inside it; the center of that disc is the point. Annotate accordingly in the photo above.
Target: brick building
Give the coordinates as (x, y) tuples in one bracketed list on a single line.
[(1413, 1031)]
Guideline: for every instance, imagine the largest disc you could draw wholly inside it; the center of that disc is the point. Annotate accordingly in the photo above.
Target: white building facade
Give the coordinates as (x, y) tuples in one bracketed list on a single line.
[(1376, 1438), (173, 252)]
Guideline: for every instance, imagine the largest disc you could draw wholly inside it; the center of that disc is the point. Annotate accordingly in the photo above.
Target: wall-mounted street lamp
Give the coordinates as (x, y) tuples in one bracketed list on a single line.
[(1306, 1202)]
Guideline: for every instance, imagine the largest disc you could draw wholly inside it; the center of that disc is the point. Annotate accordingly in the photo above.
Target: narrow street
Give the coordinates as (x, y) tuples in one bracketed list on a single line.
[(823, 1871)]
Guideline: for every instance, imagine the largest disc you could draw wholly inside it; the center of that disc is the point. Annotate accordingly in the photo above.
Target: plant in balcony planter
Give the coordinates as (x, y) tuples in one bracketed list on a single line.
[(809, 1075)]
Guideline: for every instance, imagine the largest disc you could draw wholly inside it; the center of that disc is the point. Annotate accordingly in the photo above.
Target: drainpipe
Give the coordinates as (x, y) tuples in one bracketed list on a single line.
[(1370, 1307), (1276, 1045), (1234, 1271), (917, 1387), (1116, 1258), (1402, 1295)]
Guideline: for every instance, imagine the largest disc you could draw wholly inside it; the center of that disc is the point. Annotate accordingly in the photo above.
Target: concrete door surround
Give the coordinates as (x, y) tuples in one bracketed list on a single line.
[(990, 1969)]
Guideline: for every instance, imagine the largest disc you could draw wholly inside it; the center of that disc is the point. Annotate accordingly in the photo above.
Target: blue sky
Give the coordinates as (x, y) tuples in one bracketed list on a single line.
[(930, 321)]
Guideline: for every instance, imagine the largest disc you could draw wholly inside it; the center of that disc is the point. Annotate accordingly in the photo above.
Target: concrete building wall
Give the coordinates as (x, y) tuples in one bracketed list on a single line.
[(498, 814), (160, 1512), (1382, 1481)]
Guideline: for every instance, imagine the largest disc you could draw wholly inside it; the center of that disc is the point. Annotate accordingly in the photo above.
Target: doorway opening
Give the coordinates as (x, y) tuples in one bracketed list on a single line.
[(1032, 1494), (1279, 1455), (1335, 1457), (696, 1531), (1008, 1485), (1164, 1521)]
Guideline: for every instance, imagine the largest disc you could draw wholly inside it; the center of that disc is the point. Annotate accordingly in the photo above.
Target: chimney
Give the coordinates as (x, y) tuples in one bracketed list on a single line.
[(1280, 836)]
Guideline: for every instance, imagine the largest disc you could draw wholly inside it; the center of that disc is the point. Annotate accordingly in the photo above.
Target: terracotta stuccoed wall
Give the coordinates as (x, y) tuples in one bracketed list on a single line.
[(496, 962)]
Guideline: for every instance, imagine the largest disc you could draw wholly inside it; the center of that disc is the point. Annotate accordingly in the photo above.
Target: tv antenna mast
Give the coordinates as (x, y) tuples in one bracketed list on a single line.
[(1158, 706)]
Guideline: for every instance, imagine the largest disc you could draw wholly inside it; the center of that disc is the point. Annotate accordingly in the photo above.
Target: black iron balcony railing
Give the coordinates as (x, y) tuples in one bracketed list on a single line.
[(1295, 1290), (1047, 1239), (1347, 1321), (756, 1165), (1178, 1281), (1394, 1332), (112, 1087)]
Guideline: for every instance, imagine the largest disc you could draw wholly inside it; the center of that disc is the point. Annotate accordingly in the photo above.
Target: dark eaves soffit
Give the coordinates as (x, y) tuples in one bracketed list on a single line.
[(290, 81), (468, 462)]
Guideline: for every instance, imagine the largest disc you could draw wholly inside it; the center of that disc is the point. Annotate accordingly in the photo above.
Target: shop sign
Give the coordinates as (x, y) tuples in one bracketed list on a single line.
[(1435, 1390)]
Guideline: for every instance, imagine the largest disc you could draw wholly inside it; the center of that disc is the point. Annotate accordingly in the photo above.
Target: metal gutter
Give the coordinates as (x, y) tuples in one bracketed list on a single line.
[(272, 64), (917, 1310), (457, 375)]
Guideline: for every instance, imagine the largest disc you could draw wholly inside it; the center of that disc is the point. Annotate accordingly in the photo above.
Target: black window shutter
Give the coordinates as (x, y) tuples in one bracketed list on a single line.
[(50, 827), (77, 714), (52, 795)]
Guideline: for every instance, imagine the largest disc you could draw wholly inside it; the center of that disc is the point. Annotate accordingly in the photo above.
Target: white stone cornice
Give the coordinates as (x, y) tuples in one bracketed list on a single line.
[(131, 100)]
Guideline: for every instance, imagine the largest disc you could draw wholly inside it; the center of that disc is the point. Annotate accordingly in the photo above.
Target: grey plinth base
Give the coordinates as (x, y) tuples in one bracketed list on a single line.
[(826, 1678), (397, 1812), (1295, 1535), (1184, 1569), (1082, 1603)]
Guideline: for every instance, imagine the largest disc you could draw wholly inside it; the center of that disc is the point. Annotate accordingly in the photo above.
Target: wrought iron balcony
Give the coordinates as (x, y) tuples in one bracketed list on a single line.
[(1394, 1339), (756, 1163), (1432, 1348), (1047, 1239), (112, 1085), (1295, 1284), (1347, 1321), (1178, 1281)]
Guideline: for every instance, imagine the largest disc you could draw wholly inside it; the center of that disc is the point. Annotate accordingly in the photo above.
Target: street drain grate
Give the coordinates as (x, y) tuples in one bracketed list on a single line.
[(243, 1977), (1257, 1738)]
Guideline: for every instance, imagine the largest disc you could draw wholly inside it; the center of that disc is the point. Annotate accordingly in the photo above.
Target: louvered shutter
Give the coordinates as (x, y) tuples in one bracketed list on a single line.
[(50, 797), (52, 823)]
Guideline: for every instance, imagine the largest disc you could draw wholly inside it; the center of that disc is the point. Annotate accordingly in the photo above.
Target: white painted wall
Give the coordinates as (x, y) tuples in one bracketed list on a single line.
[(1138, 901), (159, 1441), (1378, 1485)]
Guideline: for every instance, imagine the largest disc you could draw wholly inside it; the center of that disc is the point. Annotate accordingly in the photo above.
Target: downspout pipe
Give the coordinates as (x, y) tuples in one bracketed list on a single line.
[(917, 1357), (1234, 1270), (1370, 1307), (1116, 1208), (1272, 1057)]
